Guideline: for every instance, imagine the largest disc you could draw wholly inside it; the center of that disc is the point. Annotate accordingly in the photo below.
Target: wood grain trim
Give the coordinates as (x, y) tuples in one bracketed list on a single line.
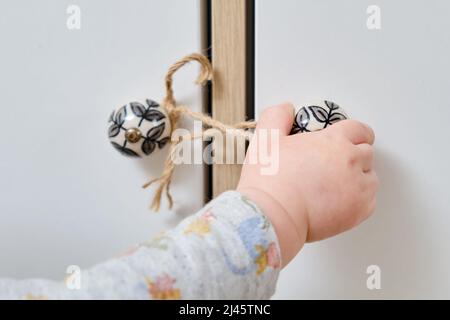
[(229, 96)]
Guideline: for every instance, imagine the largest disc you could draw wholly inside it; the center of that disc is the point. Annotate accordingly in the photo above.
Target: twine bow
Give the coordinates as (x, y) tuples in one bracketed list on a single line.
[(176, 111)]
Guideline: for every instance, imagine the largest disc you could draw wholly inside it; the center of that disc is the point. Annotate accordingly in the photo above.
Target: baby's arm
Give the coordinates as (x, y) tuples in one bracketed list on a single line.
[(228, 250)]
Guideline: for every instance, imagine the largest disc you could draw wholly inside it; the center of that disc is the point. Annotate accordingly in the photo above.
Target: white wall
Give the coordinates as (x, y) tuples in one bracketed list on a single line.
[(397, 80), (66, 196)]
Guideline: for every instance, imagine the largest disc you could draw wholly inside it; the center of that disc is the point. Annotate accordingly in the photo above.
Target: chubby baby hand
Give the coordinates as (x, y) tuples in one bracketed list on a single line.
[(324, 184)]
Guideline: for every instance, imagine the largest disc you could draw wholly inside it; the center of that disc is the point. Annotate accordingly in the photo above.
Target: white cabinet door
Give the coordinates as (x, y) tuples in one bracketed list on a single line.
[(66, 196), (396, 79)]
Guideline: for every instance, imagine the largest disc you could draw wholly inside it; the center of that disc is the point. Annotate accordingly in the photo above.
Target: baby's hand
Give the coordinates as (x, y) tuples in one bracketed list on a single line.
[(325, 183)]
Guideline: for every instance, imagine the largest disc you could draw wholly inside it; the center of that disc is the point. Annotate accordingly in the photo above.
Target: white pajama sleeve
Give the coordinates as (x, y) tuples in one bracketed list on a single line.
[(227, 250)]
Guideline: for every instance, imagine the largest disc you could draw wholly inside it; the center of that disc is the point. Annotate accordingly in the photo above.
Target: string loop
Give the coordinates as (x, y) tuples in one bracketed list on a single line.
[(176, 111)]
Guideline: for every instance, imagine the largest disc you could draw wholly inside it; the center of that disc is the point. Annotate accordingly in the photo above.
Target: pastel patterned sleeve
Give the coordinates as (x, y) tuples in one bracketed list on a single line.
[(227, 250)]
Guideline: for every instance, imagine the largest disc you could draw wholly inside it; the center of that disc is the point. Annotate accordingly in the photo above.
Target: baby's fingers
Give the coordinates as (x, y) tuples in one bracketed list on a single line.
[(365, 152), (356, 132), (372, 183)]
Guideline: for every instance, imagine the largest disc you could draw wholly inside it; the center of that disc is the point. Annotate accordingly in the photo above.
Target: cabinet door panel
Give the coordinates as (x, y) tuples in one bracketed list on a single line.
[(66, 196), (396, 79)]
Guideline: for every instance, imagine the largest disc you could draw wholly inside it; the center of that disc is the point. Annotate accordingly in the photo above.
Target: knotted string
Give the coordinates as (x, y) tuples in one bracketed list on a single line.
[(175, 112)]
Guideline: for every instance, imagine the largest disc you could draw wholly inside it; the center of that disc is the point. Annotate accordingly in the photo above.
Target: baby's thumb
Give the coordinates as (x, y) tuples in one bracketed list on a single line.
[(279, 117)]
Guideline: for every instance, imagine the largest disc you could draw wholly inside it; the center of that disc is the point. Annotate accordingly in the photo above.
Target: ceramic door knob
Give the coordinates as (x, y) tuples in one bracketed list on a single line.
[(316, 115), (138, 129)]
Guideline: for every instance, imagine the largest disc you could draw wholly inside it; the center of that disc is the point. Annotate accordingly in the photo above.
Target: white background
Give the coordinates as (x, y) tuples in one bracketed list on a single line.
[(66, 196), (397, 80)]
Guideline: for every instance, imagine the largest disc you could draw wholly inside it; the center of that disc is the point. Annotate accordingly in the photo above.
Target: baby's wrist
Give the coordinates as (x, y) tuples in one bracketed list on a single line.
[(289, 238)]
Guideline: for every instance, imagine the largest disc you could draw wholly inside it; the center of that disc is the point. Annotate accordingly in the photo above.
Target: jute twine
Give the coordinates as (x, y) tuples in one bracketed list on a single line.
[(175, 112)]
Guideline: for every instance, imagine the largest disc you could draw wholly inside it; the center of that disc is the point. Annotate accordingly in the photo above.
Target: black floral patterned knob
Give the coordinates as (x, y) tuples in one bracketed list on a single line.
[(138, 129), (316, 116)]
